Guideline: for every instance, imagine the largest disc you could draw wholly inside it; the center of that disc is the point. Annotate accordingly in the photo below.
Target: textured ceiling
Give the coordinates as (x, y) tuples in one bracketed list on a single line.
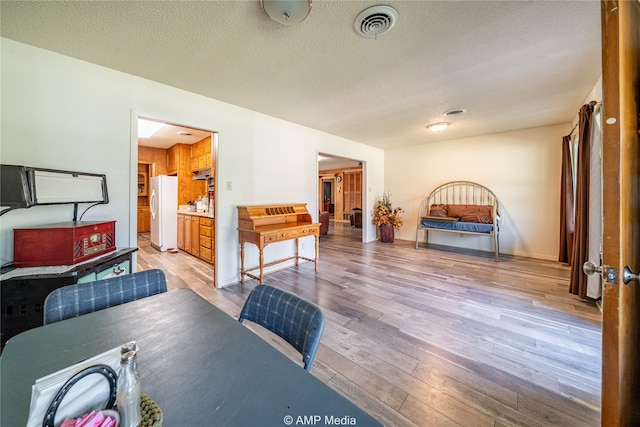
[(512, 65)]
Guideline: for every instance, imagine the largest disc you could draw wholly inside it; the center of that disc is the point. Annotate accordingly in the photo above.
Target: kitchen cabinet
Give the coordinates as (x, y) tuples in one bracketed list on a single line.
[(201, 155), (144, 219), (195, 236), (143, 183), (184, 232), (144, 213), (173, 159), (188, 189), (206, 239), (201, 163), (181, 240)]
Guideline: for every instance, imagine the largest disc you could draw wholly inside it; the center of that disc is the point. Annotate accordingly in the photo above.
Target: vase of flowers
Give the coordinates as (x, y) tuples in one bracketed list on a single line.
[(386, 218)]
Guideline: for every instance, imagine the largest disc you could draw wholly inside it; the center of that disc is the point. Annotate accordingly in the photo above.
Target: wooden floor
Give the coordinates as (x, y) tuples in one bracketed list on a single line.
[(435, 337)]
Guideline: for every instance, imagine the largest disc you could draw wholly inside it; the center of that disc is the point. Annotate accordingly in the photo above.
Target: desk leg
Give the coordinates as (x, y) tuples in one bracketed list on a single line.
[(241, 262), (317, 250), (297, 259), (261, 265)]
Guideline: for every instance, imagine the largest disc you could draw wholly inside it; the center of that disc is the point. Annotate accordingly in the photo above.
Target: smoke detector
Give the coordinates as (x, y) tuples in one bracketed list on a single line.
[(375, 21)]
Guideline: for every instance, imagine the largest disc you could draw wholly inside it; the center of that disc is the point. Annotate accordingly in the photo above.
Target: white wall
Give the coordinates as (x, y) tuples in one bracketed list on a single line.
[(61, 113), (522, 168)]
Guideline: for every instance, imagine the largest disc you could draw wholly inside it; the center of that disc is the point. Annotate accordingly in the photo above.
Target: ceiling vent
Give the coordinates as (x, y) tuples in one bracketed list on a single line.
[(455, 112), (375, 21)]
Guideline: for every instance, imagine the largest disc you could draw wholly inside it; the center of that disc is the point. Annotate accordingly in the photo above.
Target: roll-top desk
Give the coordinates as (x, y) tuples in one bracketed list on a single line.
[(265, 224)]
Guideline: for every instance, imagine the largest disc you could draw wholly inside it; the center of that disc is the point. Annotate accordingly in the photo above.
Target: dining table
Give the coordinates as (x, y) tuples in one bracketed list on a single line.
[(197, 363)]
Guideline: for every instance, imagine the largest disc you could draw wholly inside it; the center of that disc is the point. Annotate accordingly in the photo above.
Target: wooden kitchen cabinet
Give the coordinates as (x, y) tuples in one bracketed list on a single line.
[(195, 236), (187, 233), (201, 155), (143, 182), (188, 189), (194, 164), (206, 240), (184, 232), (173, 159), (144, 219), (181, 220)]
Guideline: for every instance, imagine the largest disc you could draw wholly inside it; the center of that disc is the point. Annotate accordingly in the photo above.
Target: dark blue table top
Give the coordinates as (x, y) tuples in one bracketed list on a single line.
[(199, 365)]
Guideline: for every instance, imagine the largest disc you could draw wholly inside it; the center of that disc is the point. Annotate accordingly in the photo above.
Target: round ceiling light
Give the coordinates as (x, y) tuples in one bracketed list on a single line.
[(287, 12), (438, 127), (375, 21)]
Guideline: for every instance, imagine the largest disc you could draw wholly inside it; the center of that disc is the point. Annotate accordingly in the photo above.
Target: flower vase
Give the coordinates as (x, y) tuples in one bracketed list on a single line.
[(387, 233)]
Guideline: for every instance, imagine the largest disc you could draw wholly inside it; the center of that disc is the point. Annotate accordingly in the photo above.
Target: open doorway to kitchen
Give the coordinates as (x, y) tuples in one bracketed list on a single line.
[(176, 194), (340, 184)]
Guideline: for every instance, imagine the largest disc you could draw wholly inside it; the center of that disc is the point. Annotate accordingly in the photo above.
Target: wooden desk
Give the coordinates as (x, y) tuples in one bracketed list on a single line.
[(200, 365), (262, 225)]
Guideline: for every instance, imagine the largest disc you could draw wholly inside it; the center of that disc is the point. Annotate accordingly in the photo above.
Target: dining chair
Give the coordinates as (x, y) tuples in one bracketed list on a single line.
[(297, 321), (82, 298)]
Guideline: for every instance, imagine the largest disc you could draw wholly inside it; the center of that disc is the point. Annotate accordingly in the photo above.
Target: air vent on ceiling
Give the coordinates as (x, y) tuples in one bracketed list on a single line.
[(455, 112), (375, 21)]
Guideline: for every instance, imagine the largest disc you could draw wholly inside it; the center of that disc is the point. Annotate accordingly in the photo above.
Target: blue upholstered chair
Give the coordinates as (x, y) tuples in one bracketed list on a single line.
[(82, 298), (288, 316)]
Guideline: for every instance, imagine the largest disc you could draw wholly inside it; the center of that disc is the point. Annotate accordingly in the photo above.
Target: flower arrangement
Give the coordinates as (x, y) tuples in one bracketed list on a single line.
[(384, 213)]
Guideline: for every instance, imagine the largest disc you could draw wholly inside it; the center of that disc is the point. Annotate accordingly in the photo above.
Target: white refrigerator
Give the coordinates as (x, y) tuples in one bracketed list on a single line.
[(164, 212)]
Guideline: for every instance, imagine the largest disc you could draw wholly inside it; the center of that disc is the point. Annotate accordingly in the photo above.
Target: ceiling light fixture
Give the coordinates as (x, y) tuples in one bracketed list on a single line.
[(287, 12), (438, 127), (146, 128)]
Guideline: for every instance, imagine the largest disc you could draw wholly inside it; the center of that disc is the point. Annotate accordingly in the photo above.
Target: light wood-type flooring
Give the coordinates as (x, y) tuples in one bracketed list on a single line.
[(435, 336)]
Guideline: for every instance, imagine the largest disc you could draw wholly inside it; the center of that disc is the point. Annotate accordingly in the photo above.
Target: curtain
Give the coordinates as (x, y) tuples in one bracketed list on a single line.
[(579, 253), (566, 202), (594, 282)]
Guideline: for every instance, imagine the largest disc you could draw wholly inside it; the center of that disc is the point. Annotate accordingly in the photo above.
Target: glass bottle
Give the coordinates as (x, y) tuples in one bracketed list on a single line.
[(128, 394), (131, 346)]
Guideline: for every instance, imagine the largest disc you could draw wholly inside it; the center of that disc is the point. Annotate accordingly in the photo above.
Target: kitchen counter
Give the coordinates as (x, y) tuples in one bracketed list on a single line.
[(200, 214)]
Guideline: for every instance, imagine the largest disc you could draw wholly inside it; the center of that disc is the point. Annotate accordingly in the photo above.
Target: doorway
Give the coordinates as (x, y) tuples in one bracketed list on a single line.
[(340, 192), (190, 156)]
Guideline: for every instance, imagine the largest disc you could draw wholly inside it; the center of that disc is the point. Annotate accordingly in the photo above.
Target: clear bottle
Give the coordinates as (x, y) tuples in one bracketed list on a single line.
[(131, 346), (129, 391)]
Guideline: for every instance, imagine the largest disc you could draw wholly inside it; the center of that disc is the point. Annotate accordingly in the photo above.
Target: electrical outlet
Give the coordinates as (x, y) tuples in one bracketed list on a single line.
[(228, 185), (302, 246)]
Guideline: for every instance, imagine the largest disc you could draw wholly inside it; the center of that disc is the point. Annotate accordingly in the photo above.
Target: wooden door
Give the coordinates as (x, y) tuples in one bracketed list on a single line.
[(621, 222)]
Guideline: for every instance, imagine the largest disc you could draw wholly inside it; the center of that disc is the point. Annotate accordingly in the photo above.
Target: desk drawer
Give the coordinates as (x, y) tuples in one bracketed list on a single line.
[(268, 238), (292, 234)]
